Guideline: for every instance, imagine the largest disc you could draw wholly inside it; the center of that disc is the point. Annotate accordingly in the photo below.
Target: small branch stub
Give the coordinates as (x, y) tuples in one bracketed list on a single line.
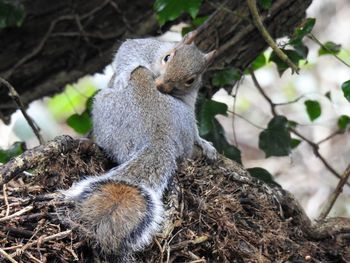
[(14, 95)]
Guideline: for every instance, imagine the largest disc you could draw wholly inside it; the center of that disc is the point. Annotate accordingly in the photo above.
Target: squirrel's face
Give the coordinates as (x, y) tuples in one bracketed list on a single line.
[(182, 69)]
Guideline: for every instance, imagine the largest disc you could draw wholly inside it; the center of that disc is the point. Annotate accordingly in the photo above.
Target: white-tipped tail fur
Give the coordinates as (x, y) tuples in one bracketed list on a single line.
[(118, 216)]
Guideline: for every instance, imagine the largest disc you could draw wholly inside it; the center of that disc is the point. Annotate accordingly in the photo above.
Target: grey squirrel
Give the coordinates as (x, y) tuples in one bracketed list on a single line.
[(147, 132)]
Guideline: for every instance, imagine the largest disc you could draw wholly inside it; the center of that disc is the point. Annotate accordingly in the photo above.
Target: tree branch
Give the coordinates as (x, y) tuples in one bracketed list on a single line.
[(267, 37), (14, 95), (314, 146), (328, 206)]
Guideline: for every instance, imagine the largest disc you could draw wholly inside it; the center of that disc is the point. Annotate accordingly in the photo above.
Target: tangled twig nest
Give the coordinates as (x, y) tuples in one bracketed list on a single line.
[(215, 213)]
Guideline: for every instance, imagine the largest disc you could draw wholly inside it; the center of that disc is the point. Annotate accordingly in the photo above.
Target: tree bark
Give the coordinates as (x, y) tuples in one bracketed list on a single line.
[(61, 41)]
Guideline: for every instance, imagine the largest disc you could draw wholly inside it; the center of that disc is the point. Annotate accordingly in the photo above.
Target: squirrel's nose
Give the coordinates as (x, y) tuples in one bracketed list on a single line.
[(163, 87)]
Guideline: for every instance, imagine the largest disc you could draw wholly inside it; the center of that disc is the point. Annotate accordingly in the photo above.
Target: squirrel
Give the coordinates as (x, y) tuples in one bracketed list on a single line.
[(147, 132)]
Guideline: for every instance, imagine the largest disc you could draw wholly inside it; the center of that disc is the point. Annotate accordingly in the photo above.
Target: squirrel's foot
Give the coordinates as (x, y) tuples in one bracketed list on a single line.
[(208, 149)]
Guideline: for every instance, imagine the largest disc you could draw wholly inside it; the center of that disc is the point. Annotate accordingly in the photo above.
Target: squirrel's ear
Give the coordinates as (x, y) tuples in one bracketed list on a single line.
[(209, 57), (189, 37)]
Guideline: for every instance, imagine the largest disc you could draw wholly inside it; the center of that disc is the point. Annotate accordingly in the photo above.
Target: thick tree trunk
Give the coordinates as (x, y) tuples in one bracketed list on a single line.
[(62, 41)]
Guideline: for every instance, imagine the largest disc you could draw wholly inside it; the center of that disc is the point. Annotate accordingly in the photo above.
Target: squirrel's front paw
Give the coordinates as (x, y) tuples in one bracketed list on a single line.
[(121, 81), (209, 150)]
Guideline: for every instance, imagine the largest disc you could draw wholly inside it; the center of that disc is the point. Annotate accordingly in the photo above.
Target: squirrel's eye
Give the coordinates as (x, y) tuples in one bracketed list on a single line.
[(166, 58), (189, 81)]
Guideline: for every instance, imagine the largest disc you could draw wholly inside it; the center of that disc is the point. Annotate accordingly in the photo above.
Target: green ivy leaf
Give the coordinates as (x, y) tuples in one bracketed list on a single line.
[(199, 20), (90, 101), (11, 14), (346, 89), (211, 130), (262, 174), (259, 62), (169, 10), (292, 124), (217, 137), (294, 143), (301, 32), (276, 140), (195, 23), (186, 30), (16, 149), (225, 77), (328, 95), (329, 48), (293, 55), (81, 123), (209, 109), (302, 50), (265, 4), (313, 109), (343, 122)]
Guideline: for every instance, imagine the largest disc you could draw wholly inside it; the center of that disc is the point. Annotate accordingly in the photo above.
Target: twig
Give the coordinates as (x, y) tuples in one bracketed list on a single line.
[(313, 38), (289, 102), (262, 92), (248, 121), (7, 256), (330, 202), (4, 190), (267, 37), (41, 240), (329, 137), (18, 213), (14, 95), (32, 257), (234, 107), (314, 146)]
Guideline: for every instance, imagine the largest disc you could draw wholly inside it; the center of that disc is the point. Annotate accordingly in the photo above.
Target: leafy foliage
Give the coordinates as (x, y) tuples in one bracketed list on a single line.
[(225, 77), (16, 149), (196, 22), (169, 10), (302, 31), (329, 48), (265, 4), (11, 14), (82, 123), (276, 140), (211, 130), (294, 143), (313, 109), (346, 89), (328, 95), (293, 55), (209, 110), (343, 122)]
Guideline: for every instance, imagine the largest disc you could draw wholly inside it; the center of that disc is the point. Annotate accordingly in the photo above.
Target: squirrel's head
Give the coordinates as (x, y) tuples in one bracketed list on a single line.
[(182, 68)]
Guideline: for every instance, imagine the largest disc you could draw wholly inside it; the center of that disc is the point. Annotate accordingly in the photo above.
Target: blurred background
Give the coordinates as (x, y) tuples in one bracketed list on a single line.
[(301, 173)]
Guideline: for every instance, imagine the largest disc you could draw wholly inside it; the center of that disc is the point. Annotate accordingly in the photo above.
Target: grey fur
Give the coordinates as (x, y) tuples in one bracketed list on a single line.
[(133, 53), (144, 130)]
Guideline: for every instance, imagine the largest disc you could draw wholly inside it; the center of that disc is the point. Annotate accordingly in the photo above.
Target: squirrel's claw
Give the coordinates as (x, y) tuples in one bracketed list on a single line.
[(209, 150)]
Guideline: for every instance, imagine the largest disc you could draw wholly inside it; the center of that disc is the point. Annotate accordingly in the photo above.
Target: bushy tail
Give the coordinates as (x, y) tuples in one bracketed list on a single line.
[(117, 210)]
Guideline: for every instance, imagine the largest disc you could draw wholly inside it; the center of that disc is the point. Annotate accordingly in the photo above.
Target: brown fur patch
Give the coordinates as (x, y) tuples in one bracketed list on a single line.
[(112, 213), (117, 199)]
